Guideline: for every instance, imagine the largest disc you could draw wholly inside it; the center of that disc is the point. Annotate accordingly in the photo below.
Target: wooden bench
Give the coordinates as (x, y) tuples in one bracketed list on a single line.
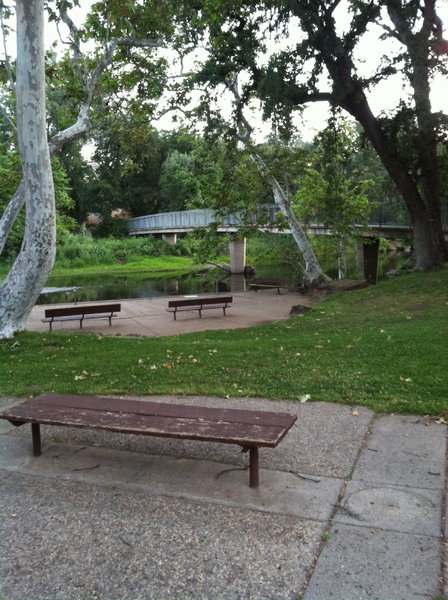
[(248, 429), (73, 313), (278, 284), (199, 304)]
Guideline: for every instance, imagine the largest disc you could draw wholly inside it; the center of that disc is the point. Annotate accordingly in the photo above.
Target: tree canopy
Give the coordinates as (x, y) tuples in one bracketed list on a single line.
[(295, 53)]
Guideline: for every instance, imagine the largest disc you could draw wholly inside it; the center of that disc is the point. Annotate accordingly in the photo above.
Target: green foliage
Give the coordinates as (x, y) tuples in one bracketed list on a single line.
[(206, 244), (332, 191), (178, 184), (10, 175), (85, 251)]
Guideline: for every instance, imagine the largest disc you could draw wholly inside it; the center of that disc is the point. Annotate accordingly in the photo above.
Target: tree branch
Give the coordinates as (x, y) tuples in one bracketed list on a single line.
[(78, 129), (5, 50), (8, 118)]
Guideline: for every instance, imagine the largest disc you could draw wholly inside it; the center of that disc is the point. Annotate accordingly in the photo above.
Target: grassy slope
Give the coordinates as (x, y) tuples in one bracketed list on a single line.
[(383, 347), (151, 266), (155, 265)]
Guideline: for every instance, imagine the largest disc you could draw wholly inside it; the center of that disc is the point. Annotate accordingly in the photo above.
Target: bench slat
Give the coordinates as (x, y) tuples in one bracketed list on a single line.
[(78, 311), (100, 403), (197, 302), (194, 429), (169, 420)]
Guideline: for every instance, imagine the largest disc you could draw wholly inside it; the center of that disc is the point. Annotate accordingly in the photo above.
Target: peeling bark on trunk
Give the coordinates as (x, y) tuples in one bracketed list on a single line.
[(22, 286)]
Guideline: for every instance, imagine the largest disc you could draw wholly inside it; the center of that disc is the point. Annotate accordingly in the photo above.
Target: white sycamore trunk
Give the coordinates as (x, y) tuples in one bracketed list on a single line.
[(22, 286), (342, 259), (313, 272)]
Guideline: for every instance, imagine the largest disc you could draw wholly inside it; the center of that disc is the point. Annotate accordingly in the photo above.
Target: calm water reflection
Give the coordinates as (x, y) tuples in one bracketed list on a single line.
[(114, 287)]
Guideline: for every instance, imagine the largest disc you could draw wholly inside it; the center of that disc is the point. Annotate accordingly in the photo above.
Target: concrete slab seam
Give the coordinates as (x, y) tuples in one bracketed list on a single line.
[(143, 490), (336, 507), (443, 583)]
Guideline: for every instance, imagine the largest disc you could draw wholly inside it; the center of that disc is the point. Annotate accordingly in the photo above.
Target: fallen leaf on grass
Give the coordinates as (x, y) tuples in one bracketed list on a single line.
[(405, 379), (79, 377), (304, 398)]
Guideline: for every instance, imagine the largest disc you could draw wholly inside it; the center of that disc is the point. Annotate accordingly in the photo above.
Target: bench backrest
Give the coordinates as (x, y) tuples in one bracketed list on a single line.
[(200, 301), (68, 311), (274, 281)]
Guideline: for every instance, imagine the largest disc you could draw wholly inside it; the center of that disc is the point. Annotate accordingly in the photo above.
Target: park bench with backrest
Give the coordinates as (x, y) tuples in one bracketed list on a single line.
[(74, 313), (267, 283), (246, 428), (199, 304)]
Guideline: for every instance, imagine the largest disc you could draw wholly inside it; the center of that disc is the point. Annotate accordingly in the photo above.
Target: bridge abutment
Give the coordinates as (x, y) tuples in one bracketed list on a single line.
[(237, 255), (170, 238)]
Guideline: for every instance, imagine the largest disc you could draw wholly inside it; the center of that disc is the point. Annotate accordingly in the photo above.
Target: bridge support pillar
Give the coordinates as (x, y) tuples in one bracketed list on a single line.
[(237, 255), (170, 238), (367, 254)]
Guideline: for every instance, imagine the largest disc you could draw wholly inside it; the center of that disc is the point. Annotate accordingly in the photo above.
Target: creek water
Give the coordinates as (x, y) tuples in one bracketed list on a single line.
[(88, 288)]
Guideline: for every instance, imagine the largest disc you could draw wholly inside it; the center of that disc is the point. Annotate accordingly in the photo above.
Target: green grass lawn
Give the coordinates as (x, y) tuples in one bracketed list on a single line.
[(152, 266), (384, 347)]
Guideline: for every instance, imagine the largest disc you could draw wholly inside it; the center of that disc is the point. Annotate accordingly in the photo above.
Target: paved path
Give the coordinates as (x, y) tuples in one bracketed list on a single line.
[(149, 318), (350, 506)]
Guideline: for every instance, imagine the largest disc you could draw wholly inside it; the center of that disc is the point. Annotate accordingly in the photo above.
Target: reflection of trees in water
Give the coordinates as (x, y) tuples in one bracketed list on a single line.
[(115, 287)]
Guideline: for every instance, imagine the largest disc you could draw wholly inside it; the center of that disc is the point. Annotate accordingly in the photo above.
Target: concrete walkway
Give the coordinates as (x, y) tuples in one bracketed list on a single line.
[(148, 317), (350, 506)]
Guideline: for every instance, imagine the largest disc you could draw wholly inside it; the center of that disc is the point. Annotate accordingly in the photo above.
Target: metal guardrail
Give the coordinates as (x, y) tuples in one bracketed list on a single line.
[(186, 220), (190, 219)]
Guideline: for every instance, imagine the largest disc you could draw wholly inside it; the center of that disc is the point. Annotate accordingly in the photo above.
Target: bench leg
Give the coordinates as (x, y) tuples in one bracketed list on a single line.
[(35, 433), (253, 467)]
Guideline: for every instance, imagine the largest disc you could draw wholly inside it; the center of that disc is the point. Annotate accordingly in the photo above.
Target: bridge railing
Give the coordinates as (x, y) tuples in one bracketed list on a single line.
[(192, 219)]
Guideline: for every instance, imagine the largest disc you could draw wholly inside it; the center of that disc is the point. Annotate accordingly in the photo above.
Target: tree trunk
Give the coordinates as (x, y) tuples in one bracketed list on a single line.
[(431, 249), (313, 272), (22, 286), (10, 215), (342, 259), (429, 242)]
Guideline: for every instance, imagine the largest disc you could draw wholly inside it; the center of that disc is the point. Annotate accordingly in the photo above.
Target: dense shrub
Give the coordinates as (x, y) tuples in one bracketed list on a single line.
[(83, 250)]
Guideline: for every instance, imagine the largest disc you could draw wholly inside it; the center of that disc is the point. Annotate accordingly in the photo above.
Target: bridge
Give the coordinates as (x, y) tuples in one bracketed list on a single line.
[(171, 223)]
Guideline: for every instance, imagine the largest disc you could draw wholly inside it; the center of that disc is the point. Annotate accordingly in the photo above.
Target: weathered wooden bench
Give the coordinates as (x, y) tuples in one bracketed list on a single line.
[(73, 313), (278, 284), (246, 428), (199, 304)]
